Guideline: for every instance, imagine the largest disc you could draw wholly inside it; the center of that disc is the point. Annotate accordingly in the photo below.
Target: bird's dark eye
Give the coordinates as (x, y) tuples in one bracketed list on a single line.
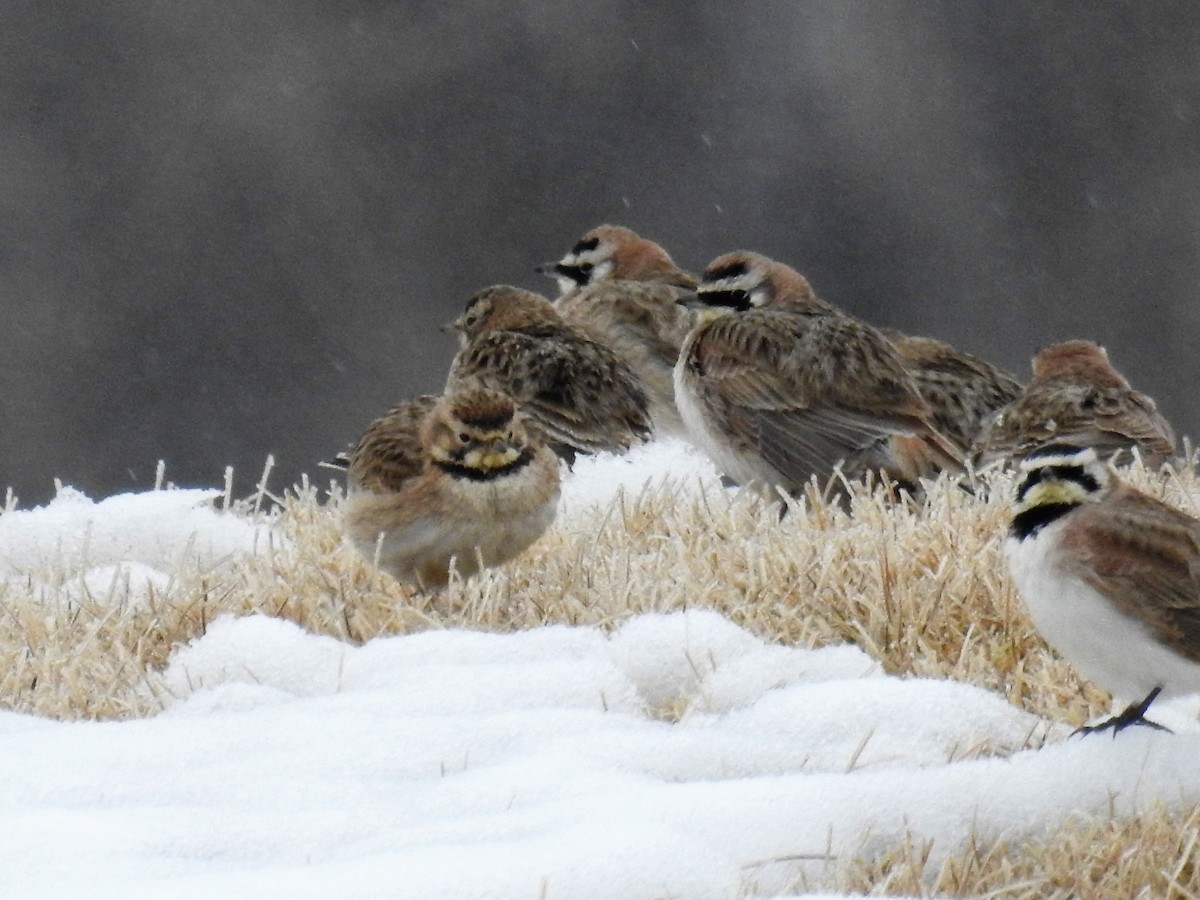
[(463, 436)]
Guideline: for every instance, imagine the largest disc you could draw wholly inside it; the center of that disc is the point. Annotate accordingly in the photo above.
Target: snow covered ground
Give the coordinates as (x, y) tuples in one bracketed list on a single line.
[(455, 764)]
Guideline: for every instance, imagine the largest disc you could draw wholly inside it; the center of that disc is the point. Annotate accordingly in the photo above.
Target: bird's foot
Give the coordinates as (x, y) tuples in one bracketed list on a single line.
[(1134, 714)]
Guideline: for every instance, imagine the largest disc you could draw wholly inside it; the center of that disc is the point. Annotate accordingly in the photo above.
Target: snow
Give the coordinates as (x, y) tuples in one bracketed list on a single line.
[(545, 763), (596, 481), (131, 539)]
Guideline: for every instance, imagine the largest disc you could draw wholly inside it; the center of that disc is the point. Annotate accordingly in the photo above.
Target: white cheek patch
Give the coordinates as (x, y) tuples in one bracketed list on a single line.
[(726, 285)]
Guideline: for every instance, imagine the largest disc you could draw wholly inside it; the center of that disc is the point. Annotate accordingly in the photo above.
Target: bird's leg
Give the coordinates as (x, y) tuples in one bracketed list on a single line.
[(1134, 714)]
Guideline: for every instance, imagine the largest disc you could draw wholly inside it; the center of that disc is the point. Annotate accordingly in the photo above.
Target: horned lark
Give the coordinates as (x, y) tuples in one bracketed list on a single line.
[(610, 252), (448, 478), (1076, 397), (777, 385), (577, 393), (962, 390), (622, 290), (1111, 577)]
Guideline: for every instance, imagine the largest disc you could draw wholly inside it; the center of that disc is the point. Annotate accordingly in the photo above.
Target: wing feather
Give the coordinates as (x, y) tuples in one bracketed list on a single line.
[(1106, 417), (389, 453), (804, 391), (575, 391), (1145, 557)]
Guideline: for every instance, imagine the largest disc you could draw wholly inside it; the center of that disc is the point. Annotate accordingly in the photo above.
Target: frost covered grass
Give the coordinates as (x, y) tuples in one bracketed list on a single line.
[(107, 612)]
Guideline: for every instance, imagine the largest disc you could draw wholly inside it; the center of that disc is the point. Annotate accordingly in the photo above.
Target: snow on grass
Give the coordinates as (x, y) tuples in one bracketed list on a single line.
[(658, 754), (597, 481), (458, 764), (125, 546)]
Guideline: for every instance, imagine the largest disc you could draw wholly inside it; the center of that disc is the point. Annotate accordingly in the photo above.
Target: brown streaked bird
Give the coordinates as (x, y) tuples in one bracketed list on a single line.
[(1076, 397), (577, 393), (962, 390), (1111, 578), (778, 386), (623, 290), (453, 478)]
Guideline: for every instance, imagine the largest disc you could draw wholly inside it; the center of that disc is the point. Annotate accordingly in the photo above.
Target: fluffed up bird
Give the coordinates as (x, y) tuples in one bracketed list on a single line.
[(778, 386), (622, 289), (1076, 397), (962, 390), (452, 479), (576, 393), (1111, 577)]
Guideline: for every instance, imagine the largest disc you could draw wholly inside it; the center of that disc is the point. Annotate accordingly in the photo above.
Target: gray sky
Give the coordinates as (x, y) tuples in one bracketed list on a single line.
[(231, 229)]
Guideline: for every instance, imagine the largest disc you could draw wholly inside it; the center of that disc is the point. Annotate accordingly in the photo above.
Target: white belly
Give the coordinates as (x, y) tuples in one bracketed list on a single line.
[(706, 434), (491, 522), (1116, 651)]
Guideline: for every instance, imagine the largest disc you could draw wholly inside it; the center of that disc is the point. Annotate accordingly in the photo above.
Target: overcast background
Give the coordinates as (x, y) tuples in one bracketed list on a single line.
[(230, 229)]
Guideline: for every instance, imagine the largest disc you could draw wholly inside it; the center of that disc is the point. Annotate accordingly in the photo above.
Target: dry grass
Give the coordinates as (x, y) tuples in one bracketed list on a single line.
[(1152, 857), (922, 589)]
